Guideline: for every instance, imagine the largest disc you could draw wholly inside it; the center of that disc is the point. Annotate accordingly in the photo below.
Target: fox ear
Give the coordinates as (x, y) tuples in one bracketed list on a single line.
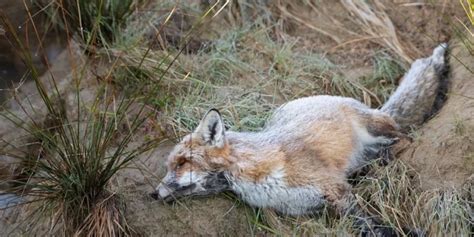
[(211, 128)]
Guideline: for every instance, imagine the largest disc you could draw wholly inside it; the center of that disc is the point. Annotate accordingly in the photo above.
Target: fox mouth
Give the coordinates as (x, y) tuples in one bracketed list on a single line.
[(185, 194), (174, 194), (187, 191)]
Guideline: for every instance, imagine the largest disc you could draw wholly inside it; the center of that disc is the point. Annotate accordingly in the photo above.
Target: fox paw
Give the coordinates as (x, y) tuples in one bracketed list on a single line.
[(391, 232)]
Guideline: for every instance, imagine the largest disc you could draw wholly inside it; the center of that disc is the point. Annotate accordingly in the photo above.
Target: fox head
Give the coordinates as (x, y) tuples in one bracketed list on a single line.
[(195, 167)]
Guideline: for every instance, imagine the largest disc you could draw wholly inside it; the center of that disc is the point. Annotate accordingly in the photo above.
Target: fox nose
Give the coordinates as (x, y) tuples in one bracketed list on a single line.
[(162, 192), (155, 195)]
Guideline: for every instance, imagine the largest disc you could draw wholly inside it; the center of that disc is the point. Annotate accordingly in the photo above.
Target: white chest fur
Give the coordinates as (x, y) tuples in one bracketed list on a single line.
[(273, 192)]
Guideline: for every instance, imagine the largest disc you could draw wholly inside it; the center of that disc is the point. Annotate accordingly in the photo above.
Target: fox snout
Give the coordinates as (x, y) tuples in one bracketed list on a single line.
[(169, 190), (170, 194)]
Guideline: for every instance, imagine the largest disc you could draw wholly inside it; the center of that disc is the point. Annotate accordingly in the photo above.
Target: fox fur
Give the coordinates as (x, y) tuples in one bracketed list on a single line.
[(301, 159)]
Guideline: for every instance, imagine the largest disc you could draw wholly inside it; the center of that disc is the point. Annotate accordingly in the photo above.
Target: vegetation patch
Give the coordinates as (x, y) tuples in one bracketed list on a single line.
[(96, 22), (77, 151), (246, 73)]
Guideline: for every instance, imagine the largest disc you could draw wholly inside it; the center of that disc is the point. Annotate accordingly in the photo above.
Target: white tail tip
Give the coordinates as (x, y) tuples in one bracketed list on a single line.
[(440, 51)]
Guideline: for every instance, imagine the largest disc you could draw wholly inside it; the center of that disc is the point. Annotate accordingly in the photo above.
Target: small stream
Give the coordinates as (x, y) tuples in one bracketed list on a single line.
[(8, 75), (9, 200), (12, 70)]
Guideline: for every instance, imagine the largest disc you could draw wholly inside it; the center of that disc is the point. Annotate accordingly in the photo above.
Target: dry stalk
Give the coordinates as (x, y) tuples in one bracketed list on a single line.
[(375, 22)]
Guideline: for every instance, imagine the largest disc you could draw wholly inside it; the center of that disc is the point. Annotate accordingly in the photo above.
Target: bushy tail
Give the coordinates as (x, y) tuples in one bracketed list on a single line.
[(420, 90)]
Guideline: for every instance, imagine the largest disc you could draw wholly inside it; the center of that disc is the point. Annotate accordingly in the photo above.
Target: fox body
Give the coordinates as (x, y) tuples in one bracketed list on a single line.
[(294, 165), (300, 161)]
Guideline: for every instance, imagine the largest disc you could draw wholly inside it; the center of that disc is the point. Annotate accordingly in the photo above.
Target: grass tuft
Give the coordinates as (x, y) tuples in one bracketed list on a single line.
[(97, 22), (79, 149)]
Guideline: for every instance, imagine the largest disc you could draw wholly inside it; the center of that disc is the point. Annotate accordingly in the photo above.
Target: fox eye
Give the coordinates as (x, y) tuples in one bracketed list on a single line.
[(180, 163)]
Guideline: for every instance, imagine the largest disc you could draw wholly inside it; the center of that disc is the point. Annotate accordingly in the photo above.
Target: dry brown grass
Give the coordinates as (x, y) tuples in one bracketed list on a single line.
[(247, 71), (378, 26), (106, 219)]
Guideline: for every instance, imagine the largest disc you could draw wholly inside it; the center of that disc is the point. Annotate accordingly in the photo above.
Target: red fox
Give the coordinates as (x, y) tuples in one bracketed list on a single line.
[(300, 161)]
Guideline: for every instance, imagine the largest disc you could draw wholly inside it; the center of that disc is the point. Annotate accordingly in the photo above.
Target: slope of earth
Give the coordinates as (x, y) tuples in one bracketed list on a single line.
[(443, 150)]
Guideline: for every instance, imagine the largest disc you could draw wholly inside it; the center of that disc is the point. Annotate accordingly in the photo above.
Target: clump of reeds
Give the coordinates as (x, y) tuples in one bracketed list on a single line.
[(97, 22), (80, 147)]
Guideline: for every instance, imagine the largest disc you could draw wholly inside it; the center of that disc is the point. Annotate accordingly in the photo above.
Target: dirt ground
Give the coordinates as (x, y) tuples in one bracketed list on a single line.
[(442, 151)]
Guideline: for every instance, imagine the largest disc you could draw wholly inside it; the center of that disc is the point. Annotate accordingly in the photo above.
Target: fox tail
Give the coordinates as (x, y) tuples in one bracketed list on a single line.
[(421, 92)]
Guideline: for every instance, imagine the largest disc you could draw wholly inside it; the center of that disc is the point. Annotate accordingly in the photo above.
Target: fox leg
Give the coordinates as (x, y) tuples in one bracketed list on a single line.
[(383, 127), (340, 197), (385, 135), (379, 152)]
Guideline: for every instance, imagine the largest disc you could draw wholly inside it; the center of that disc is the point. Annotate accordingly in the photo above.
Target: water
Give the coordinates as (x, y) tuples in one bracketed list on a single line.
[(8, 75), (12, 70), (9, 200)]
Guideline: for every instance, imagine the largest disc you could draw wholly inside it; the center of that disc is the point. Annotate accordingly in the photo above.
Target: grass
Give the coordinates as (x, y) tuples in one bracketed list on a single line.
[(375, 22), (386, 73), (459, 126), (246, 74), (76, 147), (96, 22), (394, 193), (70, 176)]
